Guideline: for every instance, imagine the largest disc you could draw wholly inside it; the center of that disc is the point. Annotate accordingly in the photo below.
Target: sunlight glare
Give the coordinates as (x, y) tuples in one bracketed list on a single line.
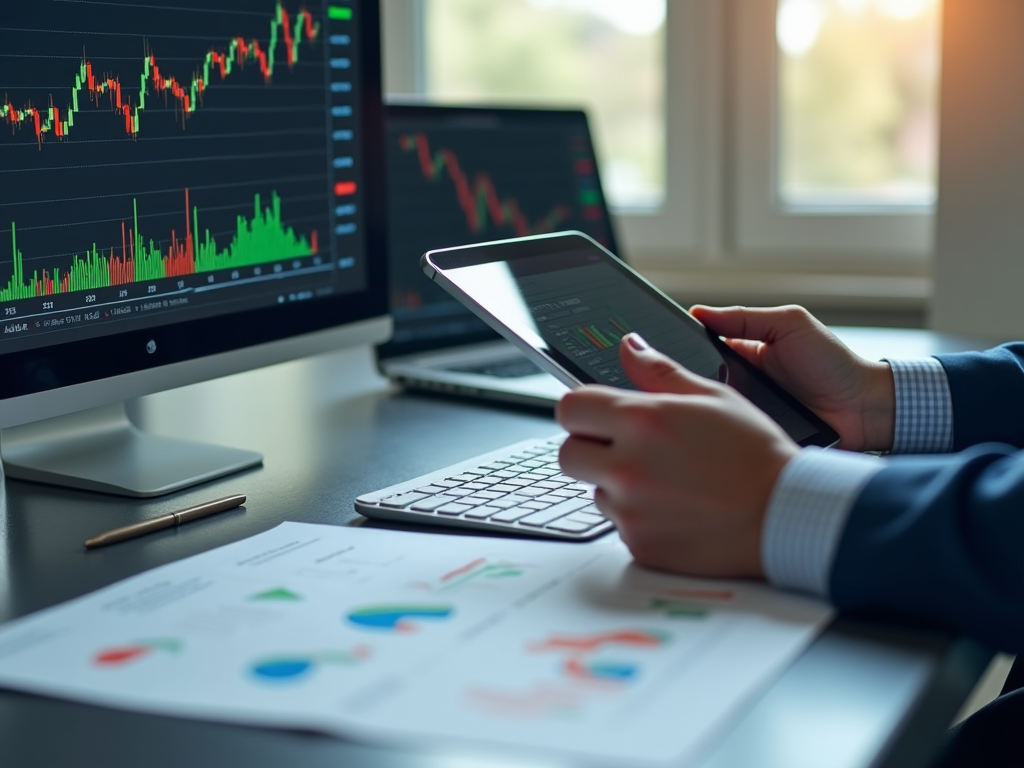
[(798, 24)]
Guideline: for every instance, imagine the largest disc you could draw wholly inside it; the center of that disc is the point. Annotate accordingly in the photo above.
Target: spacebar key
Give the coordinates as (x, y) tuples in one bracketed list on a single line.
[(540, 519)]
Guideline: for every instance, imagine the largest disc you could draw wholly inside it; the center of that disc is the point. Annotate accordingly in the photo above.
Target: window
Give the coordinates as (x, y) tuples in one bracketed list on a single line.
[(834, 117), (738, 148), (604, 55), (858, 86)]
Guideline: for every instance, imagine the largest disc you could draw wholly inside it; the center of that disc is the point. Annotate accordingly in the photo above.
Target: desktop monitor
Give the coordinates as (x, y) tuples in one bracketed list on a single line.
[(185, 193)]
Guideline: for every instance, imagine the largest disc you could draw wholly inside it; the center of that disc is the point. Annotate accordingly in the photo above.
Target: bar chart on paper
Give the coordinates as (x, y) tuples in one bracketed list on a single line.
[(369, 634)]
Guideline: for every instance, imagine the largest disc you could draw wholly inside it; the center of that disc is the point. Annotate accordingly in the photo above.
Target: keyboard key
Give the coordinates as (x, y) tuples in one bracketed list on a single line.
[(564, 493), (550, 499), (517, 481), (402, 500), (511, 515), (474, 486), (459, 492), (504, 474), (476, 500), (480, 513), (430, 489), (506, 503), (532, 492), (537, 504), (431, 503), (488, 495), (453, 510), (533, 476), (540, 519), (497, 465), (547, 472), (467, 477), (584, 517), (446, 483), (549, 484), (534, 463), (504, 487), (580, 487), (569, 526)]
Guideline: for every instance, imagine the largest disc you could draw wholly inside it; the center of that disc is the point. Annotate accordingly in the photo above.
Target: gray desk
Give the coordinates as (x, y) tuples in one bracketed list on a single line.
[(862, 695)]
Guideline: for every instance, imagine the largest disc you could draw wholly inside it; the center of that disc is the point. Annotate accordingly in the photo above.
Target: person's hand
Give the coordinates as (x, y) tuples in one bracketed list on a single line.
[(685, 469), (855, 396)]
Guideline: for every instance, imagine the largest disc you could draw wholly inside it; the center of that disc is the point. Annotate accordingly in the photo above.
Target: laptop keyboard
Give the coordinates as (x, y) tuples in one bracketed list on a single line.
[(516, 490), (502, 369)]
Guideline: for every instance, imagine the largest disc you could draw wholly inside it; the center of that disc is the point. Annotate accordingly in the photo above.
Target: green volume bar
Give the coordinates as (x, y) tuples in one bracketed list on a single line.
[(265, 239), (338, 13), (261, 240)]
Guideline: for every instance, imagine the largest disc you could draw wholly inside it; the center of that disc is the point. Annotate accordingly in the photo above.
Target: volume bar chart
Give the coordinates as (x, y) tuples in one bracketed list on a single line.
[(259, 240)]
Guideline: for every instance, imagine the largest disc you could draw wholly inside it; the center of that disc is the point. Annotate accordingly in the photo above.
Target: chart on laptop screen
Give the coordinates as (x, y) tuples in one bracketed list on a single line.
[(473, 178), (165, 161)]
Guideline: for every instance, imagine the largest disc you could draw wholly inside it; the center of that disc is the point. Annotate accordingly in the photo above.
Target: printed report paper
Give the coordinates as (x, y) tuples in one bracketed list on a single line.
[(384, 635)]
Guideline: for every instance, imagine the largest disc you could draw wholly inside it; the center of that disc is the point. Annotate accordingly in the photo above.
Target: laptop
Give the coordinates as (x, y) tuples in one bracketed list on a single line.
[(459, 175)]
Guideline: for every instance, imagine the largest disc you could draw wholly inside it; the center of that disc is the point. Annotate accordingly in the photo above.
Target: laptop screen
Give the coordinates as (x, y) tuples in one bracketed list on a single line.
[(459, 175)]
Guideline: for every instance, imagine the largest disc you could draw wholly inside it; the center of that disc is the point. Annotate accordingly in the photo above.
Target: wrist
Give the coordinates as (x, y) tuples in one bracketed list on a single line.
[(878, 410)]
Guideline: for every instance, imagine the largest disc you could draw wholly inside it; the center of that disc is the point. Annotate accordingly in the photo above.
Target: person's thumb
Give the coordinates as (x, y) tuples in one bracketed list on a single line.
[(652, 371)]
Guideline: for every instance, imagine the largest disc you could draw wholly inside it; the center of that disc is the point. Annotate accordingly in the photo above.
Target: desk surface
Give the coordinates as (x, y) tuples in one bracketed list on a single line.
[(862, 695)]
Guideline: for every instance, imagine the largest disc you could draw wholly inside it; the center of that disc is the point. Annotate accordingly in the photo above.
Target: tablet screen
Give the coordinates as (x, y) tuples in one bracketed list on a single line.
[(575, 305)]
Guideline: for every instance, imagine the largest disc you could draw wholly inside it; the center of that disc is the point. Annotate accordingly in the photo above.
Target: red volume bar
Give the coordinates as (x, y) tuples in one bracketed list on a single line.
[(343, 188)]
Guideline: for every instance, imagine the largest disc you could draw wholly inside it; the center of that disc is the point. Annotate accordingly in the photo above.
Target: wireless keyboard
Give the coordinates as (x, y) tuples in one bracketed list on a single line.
[(518, 490)]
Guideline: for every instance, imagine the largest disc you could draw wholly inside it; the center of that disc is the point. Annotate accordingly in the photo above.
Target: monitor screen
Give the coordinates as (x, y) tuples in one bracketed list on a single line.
[(459, 175), (179, 181)]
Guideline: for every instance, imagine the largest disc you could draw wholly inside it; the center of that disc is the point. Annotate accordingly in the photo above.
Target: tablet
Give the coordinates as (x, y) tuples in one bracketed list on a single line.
[(566, 302)]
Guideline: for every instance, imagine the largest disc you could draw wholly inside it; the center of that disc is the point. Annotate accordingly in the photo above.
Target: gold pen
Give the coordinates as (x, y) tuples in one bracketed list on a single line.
[(166, 521)]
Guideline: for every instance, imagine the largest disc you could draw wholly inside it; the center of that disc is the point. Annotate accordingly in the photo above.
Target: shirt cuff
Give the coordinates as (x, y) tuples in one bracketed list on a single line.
[(806, 515), (924, 407)]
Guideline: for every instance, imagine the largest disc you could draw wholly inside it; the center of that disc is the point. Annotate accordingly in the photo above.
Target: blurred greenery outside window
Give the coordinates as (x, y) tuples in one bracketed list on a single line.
[(857, 105), (606, 56)]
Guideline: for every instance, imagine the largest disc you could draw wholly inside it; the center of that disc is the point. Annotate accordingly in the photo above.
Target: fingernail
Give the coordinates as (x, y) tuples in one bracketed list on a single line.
[(637, 342)]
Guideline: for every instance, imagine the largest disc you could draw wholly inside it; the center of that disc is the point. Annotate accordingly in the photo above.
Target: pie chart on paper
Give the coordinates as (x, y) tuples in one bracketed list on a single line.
[(398, 617)]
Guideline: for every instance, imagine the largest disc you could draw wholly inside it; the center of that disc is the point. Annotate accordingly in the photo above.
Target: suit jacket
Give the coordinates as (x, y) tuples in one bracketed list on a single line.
[(941, 538)]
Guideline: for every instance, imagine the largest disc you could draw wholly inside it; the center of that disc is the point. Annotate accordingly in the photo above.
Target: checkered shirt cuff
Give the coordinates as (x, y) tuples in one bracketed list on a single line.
[(924, 407), (807, 513)]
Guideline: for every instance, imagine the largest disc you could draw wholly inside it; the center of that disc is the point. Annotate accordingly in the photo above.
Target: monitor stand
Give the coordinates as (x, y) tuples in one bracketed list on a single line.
[(102, 450)]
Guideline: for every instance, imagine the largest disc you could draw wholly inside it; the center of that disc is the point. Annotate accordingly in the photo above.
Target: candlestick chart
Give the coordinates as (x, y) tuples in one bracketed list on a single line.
[(93, 90), (478, 197), (156, 149)]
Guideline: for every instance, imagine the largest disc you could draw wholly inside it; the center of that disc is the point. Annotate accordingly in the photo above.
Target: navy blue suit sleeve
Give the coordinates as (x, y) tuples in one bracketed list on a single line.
[(987, 389), (940, 539)]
